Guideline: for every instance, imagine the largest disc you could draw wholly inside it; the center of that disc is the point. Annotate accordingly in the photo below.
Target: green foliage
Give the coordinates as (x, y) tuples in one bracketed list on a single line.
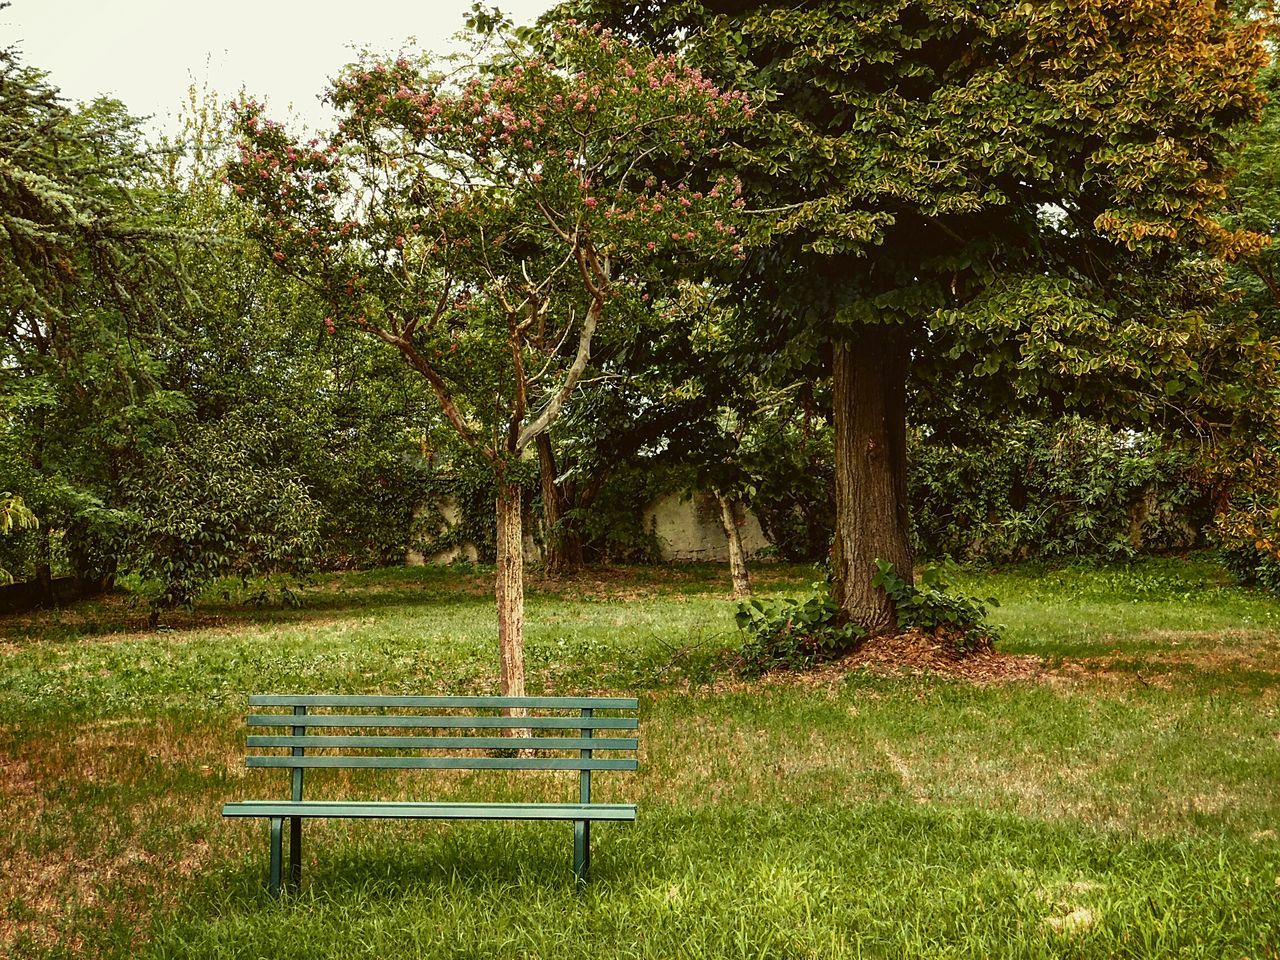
[(789, 454), (947, 167), (613, 526), (931, 606), (367, 503), (14, 515), (1252, 205), (87, 272), (465, 486), (792, 633), (485, 221), (335, 408), (515, 221), (1015, 490), (1022, 197), (213, 505), (1253, 567), (119, 343), (1071, 487), (700, 417), (1245, 466), (76, 234)]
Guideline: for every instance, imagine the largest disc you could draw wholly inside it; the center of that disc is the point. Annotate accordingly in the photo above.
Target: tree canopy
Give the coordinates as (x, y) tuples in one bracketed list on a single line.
[(1007, 196)]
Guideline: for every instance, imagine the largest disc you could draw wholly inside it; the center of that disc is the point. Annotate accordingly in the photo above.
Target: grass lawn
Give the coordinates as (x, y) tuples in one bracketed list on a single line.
[(1124, 803)]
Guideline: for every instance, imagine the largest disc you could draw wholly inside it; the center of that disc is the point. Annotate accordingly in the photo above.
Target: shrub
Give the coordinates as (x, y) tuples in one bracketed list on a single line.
[(211, 506), (793, 634), (1253, 567), (1065, 488), (1247, 528), (930, 606), (613, 527)]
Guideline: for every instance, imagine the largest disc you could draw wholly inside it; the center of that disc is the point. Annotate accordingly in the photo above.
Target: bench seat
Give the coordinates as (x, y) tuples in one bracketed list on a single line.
[(396, 810)]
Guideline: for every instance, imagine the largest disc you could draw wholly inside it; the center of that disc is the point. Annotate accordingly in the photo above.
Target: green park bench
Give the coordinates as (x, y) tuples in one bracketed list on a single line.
[(456, 733)]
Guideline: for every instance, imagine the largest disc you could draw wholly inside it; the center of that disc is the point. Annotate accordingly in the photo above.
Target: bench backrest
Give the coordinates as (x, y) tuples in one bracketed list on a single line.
[(453, 733)]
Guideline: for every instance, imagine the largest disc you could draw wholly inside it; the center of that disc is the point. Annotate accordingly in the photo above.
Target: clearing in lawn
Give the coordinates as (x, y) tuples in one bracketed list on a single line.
[(1120, 799)]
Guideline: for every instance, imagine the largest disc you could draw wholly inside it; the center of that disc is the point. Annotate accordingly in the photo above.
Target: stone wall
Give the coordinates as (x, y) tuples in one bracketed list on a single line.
[(689, 529)]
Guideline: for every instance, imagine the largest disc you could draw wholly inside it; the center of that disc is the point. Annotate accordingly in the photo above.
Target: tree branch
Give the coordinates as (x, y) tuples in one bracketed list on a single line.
[(441, 389), (552, 410)]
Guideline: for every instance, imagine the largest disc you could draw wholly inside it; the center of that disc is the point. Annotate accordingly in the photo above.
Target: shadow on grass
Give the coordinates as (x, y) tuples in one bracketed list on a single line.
[(390, 861), (121, 615)]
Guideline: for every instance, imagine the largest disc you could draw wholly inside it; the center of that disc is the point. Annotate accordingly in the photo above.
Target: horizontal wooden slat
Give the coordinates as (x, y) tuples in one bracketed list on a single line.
[(500, 723), (445, 763), (424, 742), (490, 703), (431, 811)]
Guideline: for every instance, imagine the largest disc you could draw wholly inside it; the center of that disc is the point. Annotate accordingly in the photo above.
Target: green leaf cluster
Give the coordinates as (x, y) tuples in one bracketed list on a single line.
[(1023, 489), (211, 506), (930, 605), (792, 633)]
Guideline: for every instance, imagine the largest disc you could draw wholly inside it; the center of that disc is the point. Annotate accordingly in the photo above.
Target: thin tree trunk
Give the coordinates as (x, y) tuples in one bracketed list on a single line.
[(562, 554), (737, 556), (869, 384), (510, 591)]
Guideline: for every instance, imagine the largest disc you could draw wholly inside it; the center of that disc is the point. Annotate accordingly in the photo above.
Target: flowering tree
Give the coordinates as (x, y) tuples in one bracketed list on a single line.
[(485, 223)]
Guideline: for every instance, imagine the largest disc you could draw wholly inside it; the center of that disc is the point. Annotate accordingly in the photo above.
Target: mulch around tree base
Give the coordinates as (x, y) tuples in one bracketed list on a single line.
[(916, 653), (910, 654)]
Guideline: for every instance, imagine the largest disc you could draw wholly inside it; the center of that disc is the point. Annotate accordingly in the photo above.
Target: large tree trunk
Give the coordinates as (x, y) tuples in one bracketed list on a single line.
[(562, 547), (869, 380), (510, 591), (737, 557)]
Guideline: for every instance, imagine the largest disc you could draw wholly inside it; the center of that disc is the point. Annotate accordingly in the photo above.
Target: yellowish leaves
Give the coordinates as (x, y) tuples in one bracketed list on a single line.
[(1232, 245)]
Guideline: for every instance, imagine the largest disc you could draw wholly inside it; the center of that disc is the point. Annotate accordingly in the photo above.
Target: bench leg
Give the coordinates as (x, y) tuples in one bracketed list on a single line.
[(276, 841), (581, 849), (295, 852)]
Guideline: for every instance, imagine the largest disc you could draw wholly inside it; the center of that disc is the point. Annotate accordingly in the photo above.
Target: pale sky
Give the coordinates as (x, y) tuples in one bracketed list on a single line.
[(147, 52)]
